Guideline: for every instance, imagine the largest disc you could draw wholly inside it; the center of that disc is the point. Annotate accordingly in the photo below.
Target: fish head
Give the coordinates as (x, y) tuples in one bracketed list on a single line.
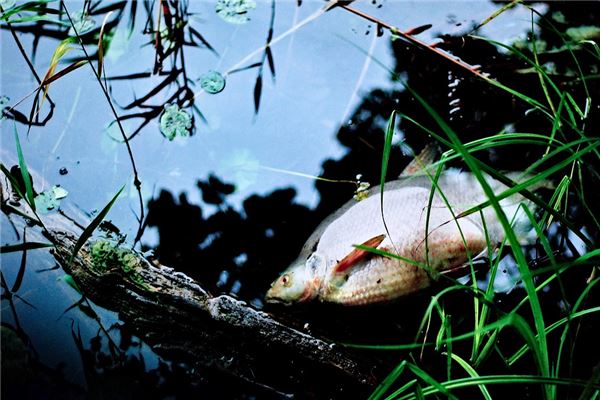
[(299, 283)]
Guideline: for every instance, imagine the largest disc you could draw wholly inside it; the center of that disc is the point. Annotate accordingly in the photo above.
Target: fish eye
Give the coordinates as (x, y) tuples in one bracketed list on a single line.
[(285, 280)]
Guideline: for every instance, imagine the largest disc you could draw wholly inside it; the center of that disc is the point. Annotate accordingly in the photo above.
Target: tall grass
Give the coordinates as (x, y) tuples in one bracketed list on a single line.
[(541, 353)]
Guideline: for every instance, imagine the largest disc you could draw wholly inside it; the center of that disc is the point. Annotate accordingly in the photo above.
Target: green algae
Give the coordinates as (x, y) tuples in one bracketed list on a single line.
[(109, 256)]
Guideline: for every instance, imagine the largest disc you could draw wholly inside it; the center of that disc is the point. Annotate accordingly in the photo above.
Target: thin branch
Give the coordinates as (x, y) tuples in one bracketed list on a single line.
[(408, 36), (136, 180)]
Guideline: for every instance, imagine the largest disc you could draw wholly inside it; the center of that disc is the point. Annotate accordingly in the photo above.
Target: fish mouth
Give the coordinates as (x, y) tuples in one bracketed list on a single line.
[(269, 298), (272, 300)]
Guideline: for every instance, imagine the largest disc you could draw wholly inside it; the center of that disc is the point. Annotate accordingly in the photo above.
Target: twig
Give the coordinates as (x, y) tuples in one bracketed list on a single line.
[(407, 35), (136, 180)]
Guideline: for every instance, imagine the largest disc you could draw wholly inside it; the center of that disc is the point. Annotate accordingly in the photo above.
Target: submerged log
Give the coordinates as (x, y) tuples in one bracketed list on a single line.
[(181, 321), (184, 323)]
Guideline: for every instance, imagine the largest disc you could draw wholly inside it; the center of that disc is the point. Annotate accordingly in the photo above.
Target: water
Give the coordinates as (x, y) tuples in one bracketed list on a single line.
[(322, 113)]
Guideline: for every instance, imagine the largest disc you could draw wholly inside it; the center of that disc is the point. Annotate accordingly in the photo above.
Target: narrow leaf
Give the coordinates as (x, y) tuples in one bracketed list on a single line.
[(87, 310), (93, 225), (101, 45), (471, 371), (11, 248), (132, 14), (418, 29), (25, 301), (29, 6), (72, 306), (21, 273), (257, 92), (387, 148), (61, 50), (198, 36), (270, 61), (24, 172), (388, 381), (255, 65), (63, 72)]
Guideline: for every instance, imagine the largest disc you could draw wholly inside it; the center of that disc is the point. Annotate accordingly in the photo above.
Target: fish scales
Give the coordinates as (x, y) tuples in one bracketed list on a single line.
[(331, 268)]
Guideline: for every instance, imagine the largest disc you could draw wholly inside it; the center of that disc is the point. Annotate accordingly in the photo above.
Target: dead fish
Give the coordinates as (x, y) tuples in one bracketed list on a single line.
[(331, 268)]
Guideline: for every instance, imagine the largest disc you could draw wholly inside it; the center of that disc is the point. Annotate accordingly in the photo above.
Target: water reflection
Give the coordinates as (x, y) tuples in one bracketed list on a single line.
[(235, 231)]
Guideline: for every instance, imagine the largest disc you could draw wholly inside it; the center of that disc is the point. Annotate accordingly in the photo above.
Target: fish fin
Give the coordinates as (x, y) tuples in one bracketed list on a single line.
[(421, 162), (357, 255)]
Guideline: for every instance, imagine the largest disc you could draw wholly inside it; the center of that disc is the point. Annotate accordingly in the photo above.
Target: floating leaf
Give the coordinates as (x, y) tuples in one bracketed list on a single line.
[(175, 122), (212, 82), (235, 11), (49, 200), (82, 23)]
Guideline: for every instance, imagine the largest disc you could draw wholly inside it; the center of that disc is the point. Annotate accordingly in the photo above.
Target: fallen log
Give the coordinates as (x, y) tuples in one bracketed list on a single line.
[(181, 321)]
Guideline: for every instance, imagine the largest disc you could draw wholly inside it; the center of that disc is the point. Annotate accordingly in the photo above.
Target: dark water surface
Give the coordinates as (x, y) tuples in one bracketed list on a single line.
[(232, 204)]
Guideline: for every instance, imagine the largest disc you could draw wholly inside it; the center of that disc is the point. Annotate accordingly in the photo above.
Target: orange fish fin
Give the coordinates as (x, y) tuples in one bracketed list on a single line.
[(421, 162), (357, 255)]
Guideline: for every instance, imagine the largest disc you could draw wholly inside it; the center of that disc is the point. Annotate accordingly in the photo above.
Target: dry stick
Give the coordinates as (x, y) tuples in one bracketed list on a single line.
[(408, 37), (136, 180)]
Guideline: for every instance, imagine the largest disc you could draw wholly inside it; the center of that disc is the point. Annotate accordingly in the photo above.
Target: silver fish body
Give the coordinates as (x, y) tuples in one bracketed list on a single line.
[(408, 215)]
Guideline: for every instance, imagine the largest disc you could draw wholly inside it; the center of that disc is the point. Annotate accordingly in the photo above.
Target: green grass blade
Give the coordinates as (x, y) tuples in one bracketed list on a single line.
[(387, 148), (388, 381), (87, 233), (425, 377), (519, 353), (471, 371), (560, 191), (34, 6), (402, 389), (24, 171), (504, 380), (539, 346)]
